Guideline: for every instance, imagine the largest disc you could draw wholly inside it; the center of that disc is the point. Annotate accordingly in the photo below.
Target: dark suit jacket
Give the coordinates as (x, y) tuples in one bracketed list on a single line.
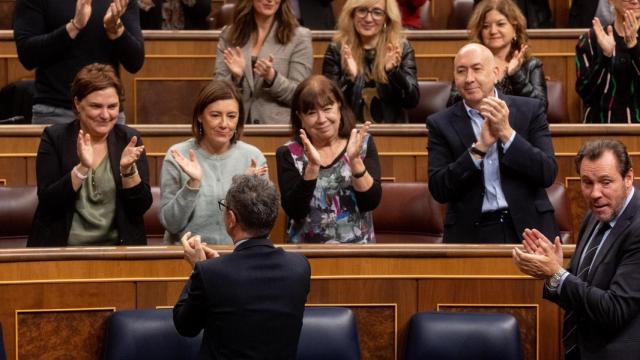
[(317, 14), (608, 303), (57, 155), (526, 169), (250, 303)]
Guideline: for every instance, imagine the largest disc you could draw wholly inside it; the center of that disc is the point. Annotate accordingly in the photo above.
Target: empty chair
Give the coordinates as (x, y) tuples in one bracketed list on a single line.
[(147, 334), (225, 16), (557, 106), (152, 226), (460, 13), (562, 211), (17, 206), (408, 214), (433, 98), (328, 333), (460, 335)]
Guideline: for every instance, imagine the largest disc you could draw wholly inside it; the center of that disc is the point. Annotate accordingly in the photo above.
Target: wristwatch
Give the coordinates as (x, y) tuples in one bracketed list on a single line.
[(554, 280), (474, 150)]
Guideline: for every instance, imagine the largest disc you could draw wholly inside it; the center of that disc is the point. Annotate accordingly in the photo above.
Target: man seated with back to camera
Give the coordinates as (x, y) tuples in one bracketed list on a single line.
[(250, 303), (490, 158)]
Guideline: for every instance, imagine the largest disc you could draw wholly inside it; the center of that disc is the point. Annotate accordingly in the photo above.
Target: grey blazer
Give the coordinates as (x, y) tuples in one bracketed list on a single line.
[(293, 63)]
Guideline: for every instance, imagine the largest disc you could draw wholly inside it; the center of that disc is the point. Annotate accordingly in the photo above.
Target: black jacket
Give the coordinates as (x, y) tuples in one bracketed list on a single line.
[(527, 82), (401, 92), (250, 303), (582, 12), (57, 155), (317, 14)]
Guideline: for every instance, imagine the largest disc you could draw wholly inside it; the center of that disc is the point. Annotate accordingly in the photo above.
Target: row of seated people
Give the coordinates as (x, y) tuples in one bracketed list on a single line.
[(327, 333), (92, 174), (369, 59)]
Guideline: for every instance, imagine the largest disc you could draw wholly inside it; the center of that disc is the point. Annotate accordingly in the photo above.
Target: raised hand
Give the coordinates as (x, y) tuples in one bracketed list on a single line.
[(309, 150), (348, 62), (531, 240), (254, 169), (194, 250), (82, 14), (392, 58), (605, 39), (630, 26), (356, 141), (130, 155), (517, 60), (542, 263), (84, 149), (112, 23), (264, 68), (190, 166), (234, 59)]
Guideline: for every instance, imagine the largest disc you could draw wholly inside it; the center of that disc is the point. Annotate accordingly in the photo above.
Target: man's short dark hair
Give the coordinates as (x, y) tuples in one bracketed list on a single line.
[(594, 149), (255, 202)]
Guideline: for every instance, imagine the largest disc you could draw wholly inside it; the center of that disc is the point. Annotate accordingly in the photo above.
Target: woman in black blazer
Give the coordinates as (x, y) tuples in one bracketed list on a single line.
[(93, 177)]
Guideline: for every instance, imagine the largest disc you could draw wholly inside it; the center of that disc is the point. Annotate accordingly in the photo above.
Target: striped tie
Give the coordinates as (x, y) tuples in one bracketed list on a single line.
[(569, 332)]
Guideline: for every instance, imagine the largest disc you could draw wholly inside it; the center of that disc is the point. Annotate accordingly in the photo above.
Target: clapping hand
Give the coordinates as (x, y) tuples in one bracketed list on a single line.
[(541, 259), (194, 250), (516, 60), (348, 62), (605, 39), (356, 141), (254, 169), (84, 149), (130, 155), (313, 156), (264, 68), (496, 113), (82, 14), (111, 20), (234, 59), (630, 27), (190, 166), (392, 58), (531, 240)]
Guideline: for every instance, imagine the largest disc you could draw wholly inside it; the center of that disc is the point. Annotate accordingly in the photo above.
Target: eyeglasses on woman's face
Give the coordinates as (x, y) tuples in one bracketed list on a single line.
[(376, 13)]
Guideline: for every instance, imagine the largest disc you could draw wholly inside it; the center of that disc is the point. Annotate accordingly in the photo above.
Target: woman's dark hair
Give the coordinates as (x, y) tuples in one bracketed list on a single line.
[(244, 23), (317, 92), (216, 90), (95, 77)]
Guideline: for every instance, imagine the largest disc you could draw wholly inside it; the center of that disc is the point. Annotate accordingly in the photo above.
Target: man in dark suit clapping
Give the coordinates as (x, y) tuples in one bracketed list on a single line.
[(600, 289), (250, 303), (490, 158)]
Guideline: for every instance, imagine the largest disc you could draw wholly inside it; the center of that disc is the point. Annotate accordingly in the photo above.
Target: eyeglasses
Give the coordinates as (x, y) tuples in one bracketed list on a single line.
[(222, 206), (376, 13)]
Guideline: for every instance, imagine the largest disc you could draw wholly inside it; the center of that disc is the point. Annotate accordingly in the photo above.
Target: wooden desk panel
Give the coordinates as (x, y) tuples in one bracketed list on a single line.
[(50, 291)]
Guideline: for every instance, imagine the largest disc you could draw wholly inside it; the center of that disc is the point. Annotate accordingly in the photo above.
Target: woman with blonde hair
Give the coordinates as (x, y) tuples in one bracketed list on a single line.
[(266, 54), (372, 63), (500, 26)]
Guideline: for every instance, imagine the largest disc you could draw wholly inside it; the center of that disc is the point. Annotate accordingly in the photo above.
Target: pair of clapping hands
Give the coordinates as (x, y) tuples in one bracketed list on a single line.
[(538, 257), (192, 167), (354, 147), (130, 154), (496, 125), (235, 61), (391, 60), (629, 33), (111, 19), (195, 250)]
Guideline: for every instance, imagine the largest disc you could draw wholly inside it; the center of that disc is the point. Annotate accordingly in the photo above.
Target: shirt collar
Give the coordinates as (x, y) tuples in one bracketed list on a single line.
[(626, 202)]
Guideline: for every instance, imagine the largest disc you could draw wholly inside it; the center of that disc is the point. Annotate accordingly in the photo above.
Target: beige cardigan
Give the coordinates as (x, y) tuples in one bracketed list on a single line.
[(293, 63)]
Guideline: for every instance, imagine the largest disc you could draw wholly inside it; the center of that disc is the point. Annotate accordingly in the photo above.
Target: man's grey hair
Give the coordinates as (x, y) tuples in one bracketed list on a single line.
[(255, 202)]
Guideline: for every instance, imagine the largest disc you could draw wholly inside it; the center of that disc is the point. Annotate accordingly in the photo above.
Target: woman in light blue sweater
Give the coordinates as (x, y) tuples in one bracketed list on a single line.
[(197, 173)]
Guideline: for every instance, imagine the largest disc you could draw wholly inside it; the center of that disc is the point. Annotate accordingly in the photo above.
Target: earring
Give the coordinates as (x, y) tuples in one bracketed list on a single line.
[(200, 128)]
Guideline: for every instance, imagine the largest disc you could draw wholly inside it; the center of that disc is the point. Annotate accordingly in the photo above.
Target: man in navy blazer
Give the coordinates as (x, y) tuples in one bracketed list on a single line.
[(600, 289), (490, 158), (250, 303)]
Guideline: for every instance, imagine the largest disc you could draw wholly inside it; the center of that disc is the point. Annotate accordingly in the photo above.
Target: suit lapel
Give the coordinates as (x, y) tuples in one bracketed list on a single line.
[(462, 125), (587, 231), (621, 226)]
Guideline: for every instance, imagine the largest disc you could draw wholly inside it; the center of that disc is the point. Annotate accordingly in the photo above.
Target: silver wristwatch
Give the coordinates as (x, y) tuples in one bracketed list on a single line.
[(554, 280)]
